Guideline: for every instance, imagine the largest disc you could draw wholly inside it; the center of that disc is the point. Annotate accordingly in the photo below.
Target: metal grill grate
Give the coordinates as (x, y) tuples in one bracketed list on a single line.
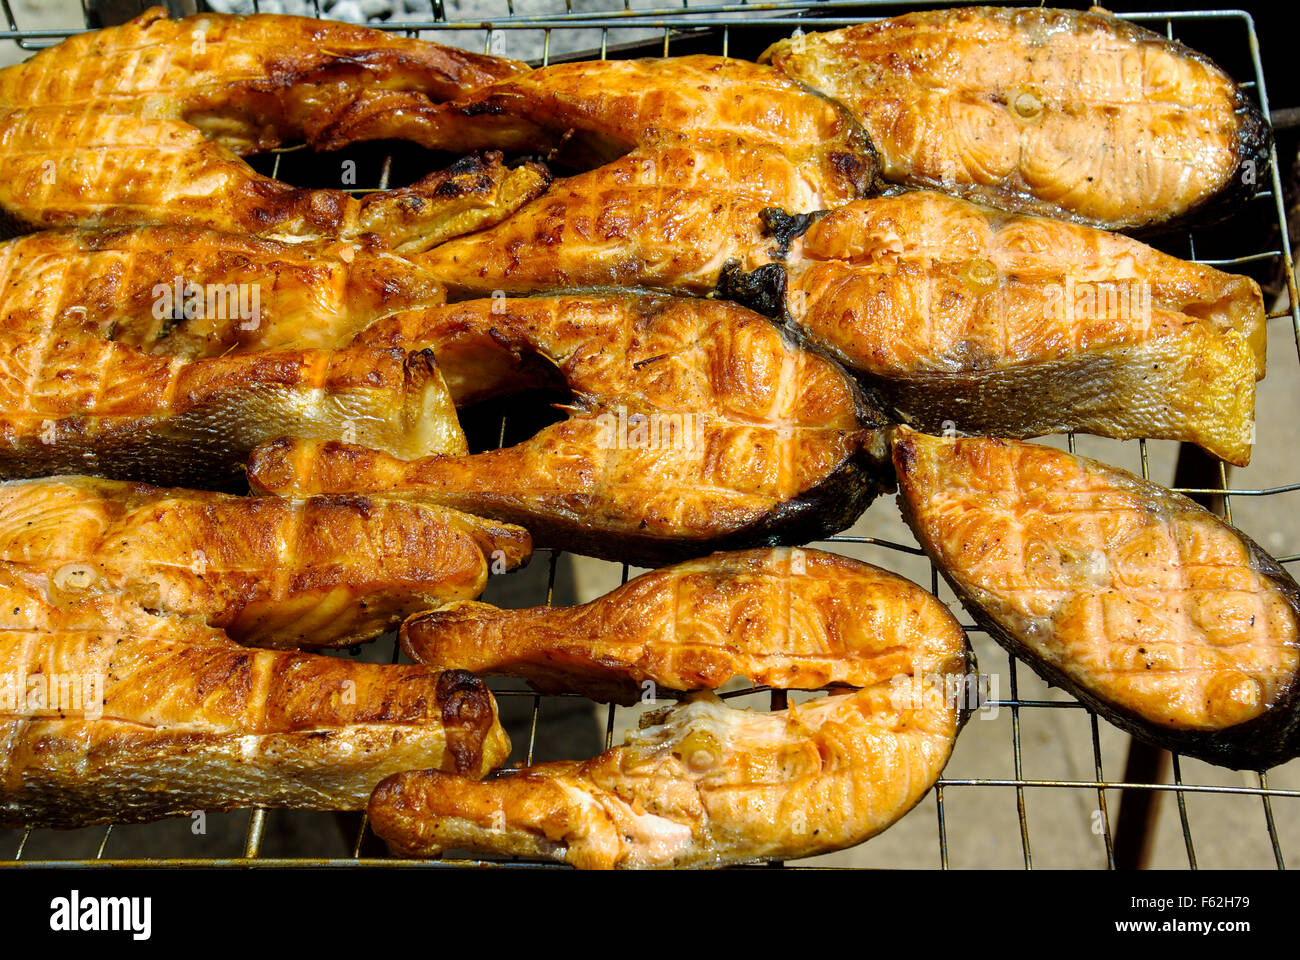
[(739, 28)]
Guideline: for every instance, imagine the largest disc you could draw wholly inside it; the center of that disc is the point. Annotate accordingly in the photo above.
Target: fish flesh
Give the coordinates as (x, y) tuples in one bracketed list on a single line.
[(692, 426), (112, 714), (85, 404), (784, 618), (960, 317), (1149, 609), (149, 122), (191, 292), (317, 572), (1064, 113), (687, 153), (704, 784)]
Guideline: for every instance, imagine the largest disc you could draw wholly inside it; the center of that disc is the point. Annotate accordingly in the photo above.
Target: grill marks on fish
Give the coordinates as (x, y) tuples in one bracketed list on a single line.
[(147, 122), (705, 784), (732, 436), (181, 718), (1151, 610), (789, 619), (1021, 326), (319, 572), (1064, 113)]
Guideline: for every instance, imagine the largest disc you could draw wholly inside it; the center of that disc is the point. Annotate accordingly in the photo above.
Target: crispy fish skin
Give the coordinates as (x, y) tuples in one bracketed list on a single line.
[(1022, 326), (690, 151), (695, 426), (785, 618), (189, 292), (171, 717), (708, 785), (147, 123), (319, 572), (86, 405), (1064, 113), (1147, 608)]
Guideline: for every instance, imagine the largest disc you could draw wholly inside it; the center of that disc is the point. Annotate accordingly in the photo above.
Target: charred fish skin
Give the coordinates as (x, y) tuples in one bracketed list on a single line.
[(158, 716), (1246, 715), (320, 572), (695, 425), (980, 102), (1019, 326), (85, 123)]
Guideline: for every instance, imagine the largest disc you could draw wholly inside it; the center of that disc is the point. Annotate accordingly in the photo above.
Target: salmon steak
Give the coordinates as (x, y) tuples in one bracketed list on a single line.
[(1064, 113), (193, 293), (703, 784), (317, 572), (113, 714), (1149, 609), (784, 618), (961, 317), (150, 121), (677, 160), (691, 426)]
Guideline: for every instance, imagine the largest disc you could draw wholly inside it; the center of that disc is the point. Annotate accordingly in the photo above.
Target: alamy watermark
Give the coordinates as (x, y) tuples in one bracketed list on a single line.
[(187, 300), (620, 430)]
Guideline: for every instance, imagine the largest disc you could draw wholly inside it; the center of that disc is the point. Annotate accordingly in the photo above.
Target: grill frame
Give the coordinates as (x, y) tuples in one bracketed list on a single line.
[(716, 23)]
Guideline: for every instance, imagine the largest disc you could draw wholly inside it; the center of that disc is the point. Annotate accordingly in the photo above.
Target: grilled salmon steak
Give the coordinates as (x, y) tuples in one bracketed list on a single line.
[(692, 425), (324, 571), (112, 714), (191, 292), (1021, 326), (785, 618), (690, 151), (1063, 113), (705, 784), (148, 122), (1151, 610)]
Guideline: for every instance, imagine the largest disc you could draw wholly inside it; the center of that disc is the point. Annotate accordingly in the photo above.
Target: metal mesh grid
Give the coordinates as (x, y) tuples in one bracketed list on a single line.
[(712, 26)]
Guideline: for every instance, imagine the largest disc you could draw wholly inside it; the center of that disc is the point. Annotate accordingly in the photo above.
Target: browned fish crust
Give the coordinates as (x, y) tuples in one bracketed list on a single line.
[(1065, 113), (695, 425), (320, 572), (147, 122), (1150, 610), (703, 784)]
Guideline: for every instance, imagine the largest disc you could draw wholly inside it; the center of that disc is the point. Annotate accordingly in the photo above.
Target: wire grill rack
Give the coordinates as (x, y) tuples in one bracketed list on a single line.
[(1260, 246)]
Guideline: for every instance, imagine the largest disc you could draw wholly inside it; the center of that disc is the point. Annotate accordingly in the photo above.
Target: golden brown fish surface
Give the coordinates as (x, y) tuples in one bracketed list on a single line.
[(111, 714), (1021, 326), (690, 151), (1148, 608), (191, 292), (784, 618), (1064, 113), (318, 572), (693, 425), (147, 122), (709, 785)]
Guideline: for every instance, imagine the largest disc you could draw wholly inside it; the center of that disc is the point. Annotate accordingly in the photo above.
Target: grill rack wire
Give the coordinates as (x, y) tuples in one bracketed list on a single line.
[(714, 23)]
